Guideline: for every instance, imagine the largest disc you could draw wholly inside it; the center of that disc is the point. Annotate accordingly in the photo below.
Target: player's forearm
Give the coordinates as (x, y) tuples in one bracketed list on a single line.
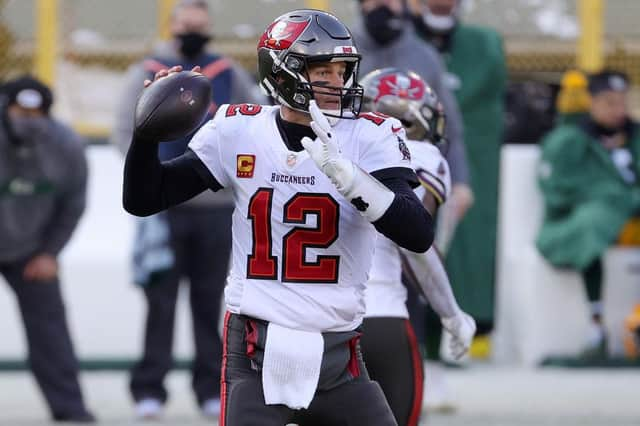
[(431, 276), (141, 194), (406, 222), (151, 186)]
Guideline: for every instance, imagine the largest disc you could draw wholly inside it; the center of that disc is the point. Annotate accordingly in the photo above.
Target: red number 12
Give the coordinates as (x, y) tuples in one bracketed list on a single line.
[(262, 264)]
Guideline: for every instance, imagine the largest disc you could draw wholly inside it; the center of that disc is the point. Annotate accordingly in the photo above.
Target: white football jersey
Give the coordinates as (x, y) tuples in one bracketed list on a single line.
[(301, 252), (385, 295)]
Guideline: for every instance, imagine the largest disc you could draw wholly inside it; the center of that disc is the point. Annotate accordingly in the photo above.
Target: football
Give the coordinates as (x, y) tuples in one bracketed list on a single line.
[(173, 106)]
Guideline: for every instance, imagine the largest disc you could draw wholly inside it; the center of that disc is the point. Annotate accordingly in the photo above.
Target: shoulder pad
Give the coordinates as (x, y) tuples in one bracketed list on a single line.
[(373, 120), (376, 118), (231, 118)]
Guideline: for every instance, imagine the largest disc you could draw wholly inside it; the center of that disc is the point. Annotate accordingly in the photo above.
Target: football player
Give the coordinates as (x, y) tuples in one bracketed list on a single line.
[(389, 344), (312, 183)]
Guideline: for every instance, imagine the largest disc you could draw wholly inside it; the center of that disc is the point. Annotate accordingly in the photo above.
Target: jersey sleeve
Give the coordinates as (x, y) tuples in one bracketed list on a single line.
[(207, 144), (432, 169), (383, 145)]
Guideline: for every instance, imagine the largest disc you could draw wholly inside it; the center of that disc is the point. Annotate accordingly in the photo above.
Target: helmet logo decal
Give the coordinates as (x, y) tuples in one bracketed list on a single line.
[(401, 86), (345, 50), (280, 35), (404, 150)]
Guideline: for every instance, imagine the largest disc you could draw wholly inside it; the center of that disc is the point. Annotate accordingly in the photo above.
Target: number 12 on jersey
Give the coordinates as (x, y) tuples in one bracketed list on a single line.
[(263, 265)]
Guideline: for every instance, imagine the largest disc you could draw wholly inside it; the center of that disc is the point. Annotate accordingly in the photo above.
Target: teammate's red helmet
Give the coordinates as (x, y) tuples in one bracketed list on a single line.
[(297, 39), (405, 96)]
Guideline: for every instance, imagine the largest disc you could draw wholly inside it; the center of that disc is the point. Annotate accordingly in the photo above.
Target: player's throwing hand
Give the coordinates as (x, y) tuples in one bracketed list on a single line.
[(167, 72)]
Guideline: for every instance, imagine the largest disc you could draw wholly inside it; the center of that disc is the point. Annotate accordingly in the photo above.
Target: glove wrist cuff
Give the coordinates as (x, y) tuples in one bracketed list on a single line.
[(449, 321), (368, 195)]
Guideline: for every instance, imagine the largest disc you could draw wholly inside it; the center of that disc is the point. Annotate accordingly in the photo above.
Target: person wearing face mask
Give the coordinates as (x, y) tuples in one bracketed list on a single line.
[(589, 175), (386, 39), (436, 21), (43, 178), (191, 241), (476, 73)]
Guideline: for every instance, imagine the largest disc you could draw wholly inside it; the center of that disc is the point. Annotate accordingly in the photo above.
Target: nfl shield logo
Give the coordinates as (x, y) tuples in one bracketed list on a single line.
[(291, 160)]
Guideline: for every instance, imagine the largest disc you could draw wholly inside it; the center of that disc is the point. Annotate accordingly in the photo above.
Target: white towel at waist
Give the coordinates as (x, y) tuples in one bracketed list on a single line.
[(291, 366)]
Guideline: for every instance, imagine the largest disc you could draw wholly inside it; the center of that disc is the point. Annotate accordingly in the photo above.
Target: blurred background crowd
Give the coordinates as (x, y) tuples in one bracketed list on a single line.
[(541, 235)]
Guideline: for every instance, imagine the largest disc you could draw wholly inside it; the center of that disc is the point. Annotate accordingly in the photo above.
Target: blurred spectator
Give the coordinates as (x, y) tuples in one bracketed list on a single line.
[(589, 179), (190, 241), (385, 39), (43, 177), (476, 74), (389, 346)]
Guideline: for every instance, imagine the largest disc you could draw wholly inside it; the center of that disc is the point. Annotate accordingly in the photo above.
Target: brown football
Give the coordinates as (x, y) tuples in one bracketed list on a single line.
[(173, 106)]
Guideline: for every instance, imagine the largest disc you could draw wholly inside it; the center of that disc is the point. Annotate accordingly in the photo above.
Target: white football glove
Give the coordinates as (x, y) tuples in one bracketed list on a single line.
[(462, 328), (325, 151), (367, 194)]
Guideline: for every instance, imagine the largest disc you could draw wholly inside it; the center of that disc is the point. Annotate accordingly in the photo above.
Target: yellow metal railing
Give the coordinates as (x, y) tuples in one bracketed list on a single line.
[(164, 18), (590, 56), (318, 4), (50, 43), (46, 50)]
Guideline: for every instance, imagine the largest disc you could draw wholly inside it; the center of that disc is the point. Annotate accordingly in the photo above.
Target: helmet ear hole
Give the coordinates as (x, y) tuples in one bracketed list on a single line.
[(300, 99), (294, 63)]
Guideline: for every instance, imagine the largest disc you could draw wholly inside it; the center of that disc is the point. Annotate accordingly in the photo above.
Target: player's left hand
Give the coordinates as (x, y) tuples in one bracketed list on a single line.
[(167, 72), (462, 328), (325, 151)]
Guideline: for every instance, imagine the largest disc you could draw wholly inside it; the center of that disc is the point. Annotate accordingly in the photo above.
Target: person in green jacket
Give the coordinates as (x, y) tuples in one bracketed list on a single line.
[(589, 175), (477, 75)]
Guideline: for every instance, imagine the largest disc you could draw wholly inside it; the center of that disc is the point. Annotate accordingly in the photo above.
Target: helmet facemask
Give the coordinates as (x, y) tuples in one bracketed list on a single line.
[(427, 120), (291, 85), (422, 122)]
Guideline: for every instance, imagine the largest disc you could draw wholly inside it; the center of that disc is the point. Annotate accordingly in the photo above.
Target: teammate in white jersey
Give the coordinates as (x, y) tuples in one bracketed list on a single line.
[(312, 182), (389, 344)]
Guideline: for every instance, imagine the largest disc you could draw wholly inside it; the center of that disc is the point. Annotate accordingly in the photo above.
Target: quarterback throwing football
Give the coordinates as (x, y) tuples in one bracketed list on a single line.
[(312, 182)]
